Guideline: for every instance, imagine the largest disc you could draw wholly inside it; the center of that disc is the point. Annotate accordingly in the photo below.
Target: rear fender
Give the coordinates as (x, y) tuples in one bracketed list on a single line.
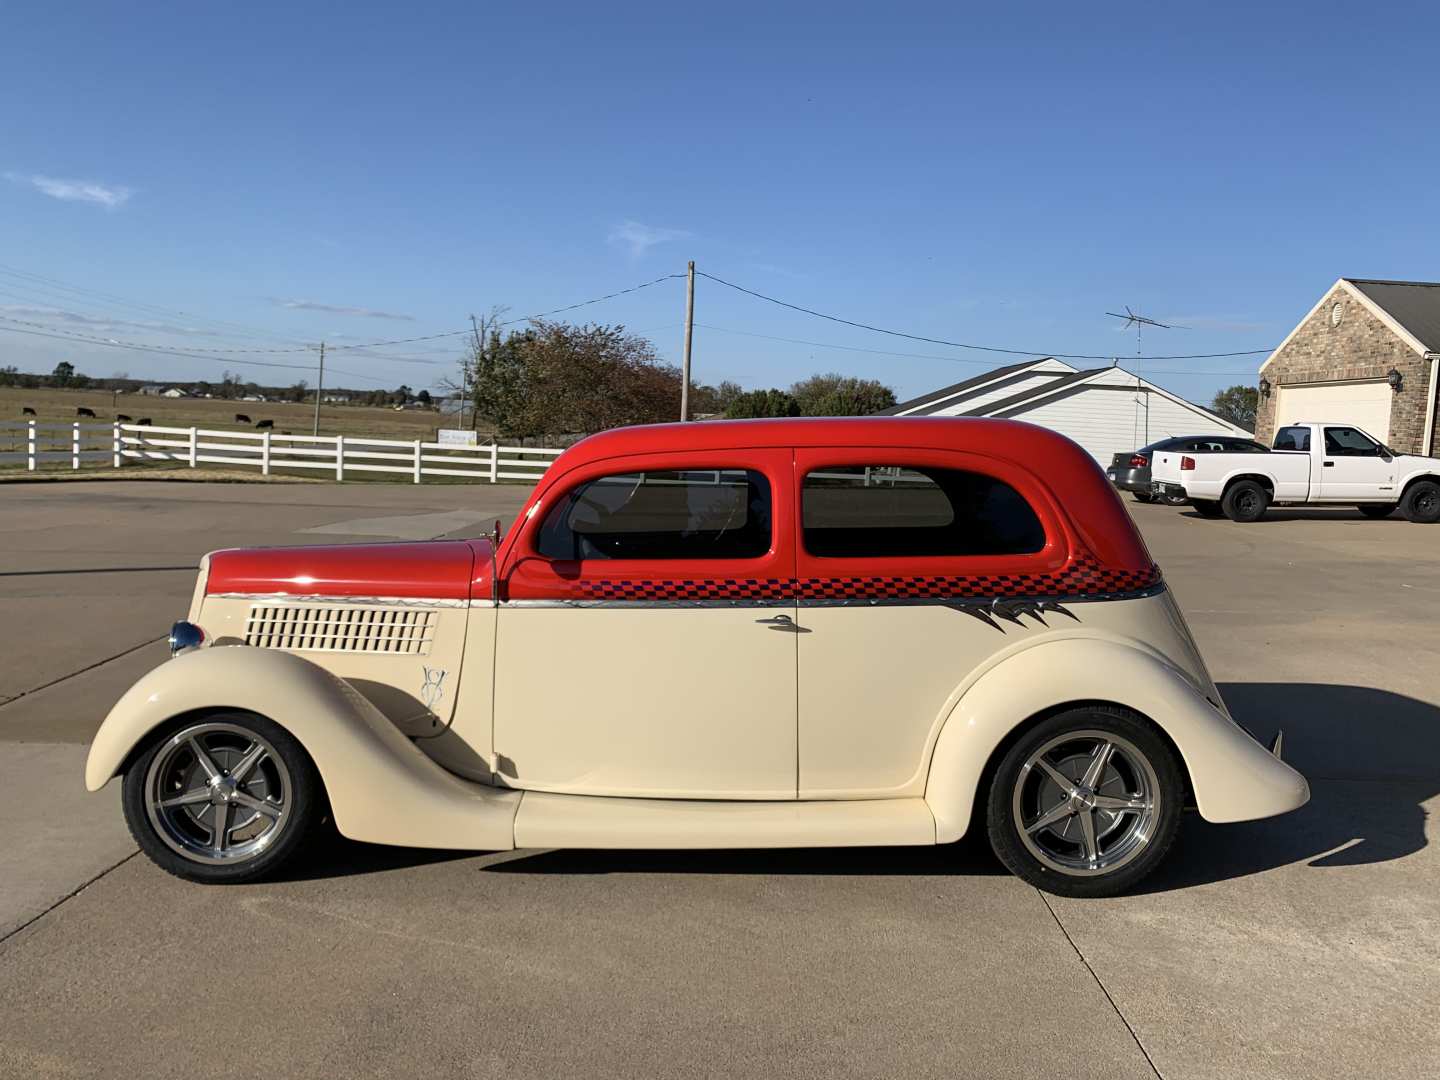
[(382, 788), (1232, 776)]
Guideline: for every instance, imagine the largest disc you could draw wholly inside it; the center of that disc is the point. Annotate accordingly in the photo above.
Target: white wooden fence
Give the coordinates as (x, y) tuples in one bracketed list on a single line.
[(58, 444)]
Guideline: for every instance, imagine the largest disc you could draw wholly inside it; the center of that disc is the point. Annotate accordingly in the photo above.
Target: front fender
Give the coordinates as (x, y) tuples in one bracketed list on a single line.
[(1233, 777), (382, 788)]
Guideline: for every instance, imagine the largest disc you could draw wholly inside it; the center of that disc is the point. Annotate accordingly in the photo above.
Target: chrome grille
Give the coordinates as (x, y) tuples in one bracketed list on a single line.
[(400, 631)]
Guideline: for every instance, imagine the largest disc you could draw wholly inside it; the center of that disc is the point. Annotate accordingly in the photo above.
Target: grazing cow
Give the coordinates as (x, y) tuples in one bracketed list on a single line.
[(265, 423), (241, 418), (121, 418), (144, 421), (27, 411), (82, 411)]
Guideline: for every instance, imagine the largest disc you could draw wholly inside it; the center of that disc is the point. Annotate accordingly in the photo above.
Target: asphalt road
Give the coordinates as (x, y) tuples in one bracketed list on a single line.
[(1297, 947)]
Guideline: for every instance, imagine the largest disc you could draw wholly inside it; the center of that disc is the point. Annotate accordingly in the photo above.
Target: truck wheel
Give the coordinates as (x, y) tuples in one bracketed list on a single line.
[(1207, 508), (1376, 510), (225, 798), (1086, 803), (1245, 501), (1421, 502)]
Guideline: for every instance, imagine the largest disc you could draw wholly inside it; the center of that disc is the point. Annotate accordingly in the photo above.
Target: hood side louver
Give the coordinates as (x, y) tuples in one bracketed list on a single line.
[(398, 631)]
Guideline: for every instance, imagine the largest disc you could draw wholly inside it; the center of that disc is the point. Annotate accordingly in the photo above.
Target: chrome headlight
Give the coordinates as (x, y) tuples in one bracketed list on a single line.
[(185, 636)]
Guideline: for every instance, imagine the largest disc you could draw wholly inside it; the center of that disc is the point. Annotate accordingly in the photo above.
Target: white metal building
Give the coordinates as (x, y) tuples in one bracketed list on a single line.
[(1106, 410)]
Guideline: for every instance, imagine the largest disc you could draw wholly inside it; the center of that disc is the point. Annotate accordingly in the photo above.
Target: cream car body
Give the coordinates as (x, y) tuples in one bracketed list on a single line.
[(454, 695)]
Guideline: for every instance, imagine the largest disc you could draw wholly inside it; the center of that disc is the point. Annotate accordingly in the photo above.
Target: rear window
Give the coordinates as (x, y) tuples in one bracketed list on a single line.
[(681, 514), (1292, 438), (878, 511)]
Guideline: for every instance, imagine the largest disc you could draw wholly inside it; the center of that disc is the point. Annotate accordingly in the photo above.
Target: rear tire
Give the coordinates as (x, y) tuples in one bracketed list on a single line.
[(1207, 508), (1376, 510), (1099, 763), (1142, 496), (1421, 502), (1245, 501), (225, 798)]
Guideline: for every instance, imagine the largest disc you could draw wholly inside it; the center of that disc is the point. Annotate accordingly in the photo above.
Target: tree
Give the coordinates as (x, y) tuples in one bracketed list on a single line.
[(757, 403), (557, 379), (424, 398), (841, 395), (64, 373), (296, 393), (1238, 405)]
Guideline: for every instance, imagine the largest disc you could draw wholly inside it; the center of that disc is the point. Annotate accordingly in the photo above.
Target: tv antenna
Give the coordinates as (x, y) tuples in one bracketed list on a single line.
[(1140, 322)]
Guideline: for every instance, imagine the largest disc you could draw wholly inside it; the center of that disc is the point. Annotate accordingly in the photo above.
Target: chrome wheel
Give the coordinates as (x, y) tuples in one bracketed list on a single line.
[(218, 793), (1086, 803)]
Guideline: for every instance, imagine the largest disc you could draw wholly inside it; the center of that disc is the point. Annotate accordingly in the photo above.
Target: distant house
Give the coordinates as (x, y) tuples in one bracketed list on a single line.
[(174, 392), (253, 397), (1368, 354), (1106, 410), (150, 390)]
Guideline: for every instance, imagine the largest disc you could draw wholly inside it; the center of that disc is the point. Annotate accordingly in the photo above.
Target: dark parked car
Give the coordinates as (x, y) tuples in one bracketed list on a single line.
[(1131, 472)]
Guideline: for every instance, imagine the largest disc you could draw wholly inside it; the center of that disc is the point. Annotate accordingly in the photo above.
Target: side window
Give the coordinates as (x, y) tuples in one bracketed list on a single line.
[(1349, 442), (1292, 438), (877, 511), (684, 514)]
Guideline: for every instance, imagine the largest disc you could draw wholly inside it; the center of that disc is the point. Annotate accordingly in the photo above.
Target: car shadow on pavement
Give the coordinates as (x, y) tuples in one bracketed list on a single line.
[(1347, 514), (1372, 758)]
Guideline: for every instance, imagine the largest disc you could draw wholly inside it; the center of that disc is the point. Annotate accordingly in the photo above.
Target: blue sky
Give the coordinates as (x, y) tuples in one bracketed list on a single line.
[(281, 173)]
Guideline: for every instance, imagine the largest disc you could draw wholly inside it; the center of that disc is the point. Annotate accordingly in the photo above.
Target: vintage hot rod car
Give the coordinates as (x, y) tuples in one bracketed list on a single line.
[(723, 635)]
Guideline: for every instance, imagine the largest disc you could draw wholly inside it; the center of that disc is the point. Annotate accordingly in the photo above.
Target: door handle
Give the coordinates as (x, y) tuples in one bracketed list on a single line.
[(1329, 464), (782, 622)]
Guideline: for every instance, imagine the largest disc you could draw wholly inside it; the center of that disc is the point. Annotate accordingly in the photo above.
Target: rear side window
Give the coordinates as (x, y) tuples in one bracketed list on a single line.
[(682, 514), (1292, 438), (880, 511)]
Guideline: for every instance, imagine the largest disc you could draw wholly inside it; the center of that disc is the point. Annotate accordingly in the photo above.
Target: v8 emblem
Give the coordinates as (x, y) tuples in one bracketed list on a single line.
[(433, 688)]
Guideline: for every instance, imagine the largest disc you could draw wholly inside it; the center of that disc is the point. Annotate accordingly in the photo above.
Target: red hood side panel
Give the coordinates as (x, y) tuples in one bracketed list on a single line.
[(434, 569)]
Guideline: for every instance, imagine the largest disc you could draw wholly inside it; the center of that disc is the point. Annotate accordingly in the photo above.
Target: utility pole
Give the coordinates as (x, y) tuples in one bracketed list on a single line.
[(689, 335), (479, 355), (319, 388)]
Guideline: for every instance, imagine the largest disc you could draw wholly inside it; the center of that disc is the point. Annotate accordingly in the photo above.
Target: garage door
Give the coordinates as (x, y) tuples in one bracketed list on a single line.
[(1364, 404)]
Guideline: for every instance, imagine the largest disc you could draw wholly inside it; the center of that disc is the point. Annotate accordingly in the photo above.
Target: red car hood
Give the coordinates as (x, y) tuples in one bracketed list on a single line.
[(433, 569)]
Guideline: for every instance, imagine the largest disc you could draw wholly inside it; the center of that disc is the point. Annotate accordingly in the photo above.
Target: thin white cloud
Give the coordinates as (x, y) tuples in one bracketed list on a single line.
[(637, 238), (97, 322), (340, 309), (87, 191)]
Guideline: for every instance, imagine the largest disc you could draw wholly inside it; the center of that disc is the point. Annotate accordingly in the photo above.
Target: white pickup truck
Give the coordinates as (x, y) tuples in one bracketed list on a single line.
[(1311, 464)]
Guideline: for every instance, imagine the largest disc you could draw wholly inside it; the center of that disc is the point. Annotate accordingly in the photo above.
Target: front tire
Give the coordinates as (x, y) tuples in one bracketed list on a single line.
[(1245, 501), (1086, 803), (1421, 502), (224, 798)]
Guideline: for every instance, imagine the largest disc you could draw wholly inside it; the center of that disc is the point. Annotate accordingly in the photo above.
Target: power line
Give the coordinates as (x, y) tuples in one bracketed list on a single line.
[(162, 351), (958, 344)]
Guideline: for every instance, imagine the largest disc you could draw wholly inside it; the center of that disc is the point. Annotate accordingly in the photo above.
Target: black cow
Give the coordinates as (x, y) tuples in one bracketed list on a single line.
[(27, 411), (265, 423), (241, 418), (121, 418), (144, 421), (82, 411)]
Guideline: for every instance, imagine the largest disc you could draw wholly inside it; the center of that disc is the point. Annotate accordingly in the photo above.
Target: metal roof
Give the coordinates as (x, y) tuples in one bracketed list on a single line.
[(956, 388), (1415, 305)]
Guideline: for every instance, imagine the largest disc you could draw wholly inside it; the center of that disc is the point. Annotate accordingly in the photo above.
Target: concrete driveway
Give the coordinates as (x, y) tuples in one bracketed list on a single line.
[(1297, 947)]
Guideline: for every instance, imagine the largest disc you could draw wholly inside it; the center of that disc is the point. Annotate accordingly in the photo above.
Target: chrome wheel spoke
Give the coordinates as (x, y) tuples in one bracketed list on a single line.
[(254, 754), (1125, 802), (260, 806), (1087, 831), (188, 798), (212, 771), (1096, 769), (1050, 817), (1066, 784), (220, 830)]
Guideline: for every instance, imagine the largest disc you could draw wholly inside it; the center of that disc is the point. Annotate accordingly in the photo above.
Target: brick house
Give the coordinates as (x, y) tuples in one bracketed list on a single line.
[(1366, 354)]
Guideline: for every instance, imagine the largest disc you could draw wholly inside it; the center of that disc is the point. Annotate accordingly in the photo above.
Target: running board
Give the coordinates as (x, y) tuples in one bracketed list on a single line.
[(588, 821)]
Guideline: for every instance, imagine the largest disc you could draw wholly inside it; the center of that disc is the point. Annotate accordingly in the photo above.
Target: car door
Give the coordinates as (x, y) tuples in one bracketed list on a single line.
[(1354, 468), (646, 639), (899, 551)]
